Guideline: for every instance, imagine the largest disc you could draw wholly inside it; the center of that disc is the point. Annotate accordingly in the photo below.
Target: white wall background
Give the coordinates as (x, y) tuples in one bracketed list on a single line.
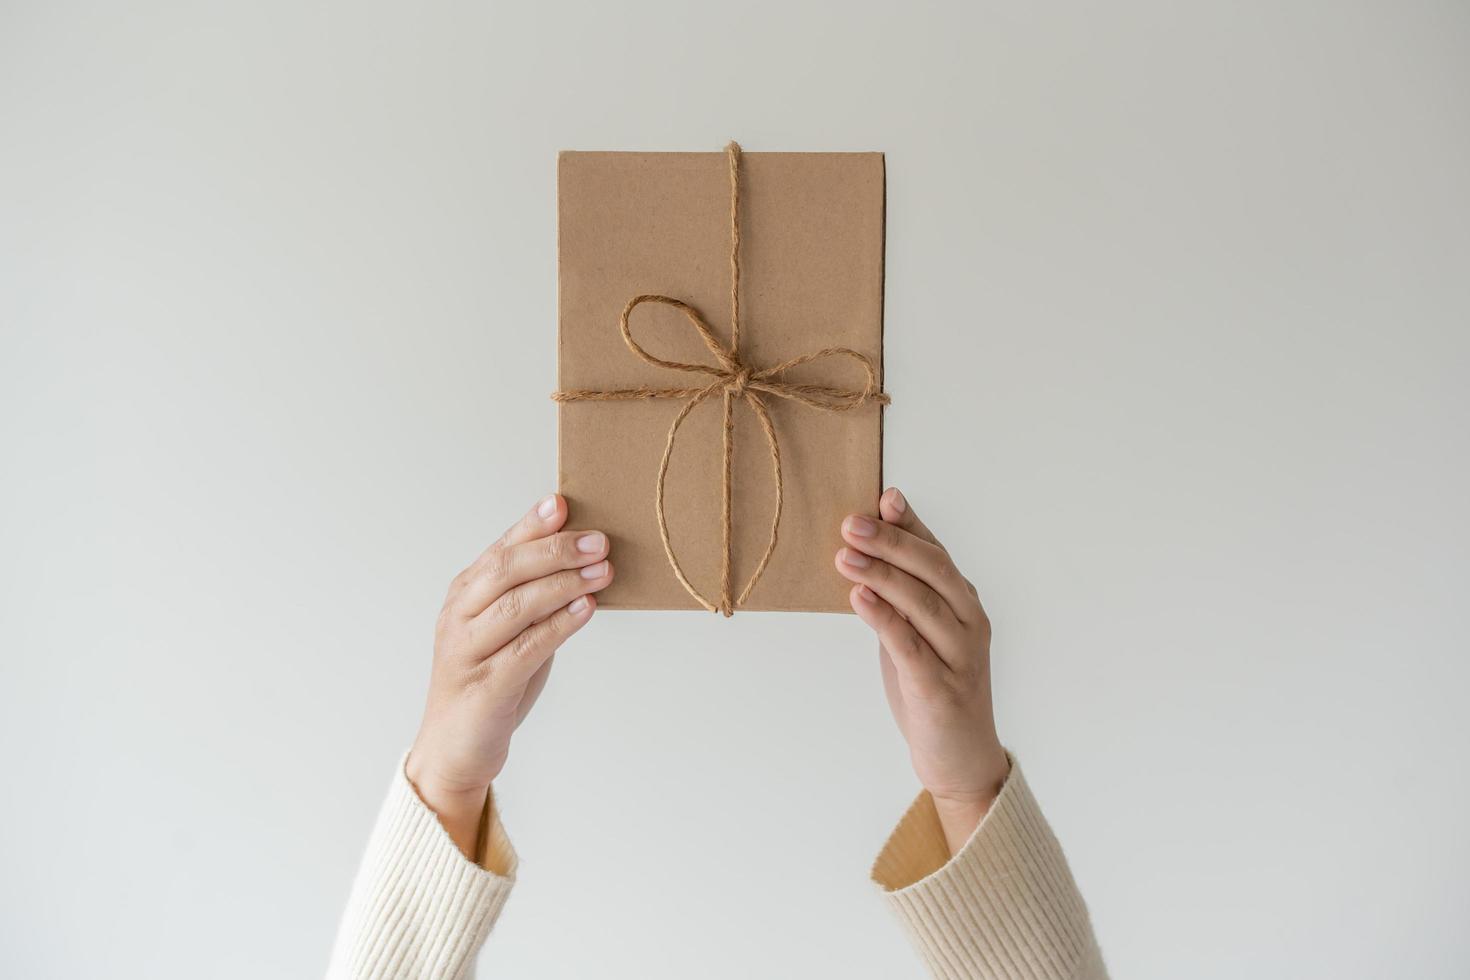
[(1178, 319)]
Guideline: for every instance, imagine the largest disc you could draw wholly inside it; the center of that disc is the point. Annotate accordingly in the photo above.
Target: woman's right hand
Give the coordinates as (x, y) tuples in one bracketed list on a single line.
[(934, 648), (503, 619)]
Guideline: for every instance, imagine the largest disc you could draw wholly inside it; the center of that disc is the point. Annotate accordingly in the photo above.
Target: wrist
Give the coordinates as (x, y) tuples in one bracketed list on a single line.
[(961, 810), (451, 803), (458, 804), (959, 818), (439, 765)]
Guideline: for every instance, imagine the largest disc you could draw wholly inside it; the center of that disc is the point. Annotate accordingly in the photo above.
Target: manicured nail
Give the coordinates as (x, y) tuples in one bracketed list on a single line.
[(546, 508), (861, 527), (855, 558), (896, 501), (579, 605), (590, 544), (595, 571), (866, 594)]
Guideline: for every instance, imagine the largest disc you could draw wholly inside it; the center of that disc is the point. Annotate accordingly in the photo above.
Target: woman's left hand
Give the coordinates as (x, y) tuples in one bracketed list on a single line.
[(934, 649), (503, 619)]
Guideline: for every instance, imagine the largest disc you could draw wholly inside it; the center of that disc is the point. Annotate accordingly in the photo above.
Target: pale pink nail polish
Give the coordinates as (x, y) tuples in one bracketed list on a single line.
[(578, 605), (590, 544), (855, 558), (546, 508), (866, 594), (897, 501), (595, 571), (861, 527)]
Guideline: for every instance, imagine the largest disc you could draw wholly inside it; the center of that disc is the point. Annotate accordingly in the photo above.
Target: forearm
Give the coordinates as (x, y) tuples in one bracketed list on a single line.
[(1003, 905), (418, 907)]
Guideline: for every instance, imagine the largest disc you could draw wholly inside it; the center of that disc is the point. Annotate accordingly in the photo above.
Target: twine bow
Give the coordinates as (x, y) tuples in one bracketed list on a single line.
[(733, 379)]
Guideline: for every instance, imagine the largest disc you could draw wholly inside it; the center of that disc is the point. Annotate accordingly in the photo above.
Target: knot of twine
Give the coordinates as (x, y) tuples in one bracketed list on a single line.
[(737, 385), (734, 381)]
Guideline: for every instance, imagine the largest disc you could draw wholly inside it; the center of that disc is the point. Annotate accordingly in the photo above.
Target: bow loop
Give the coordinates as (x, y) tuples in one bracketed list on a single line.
[(827, 398), (727, 362)]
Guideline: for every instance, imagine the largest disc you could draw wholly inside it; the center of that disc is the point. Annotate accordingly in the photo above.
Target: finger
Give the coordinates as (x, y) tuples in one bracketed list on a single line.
[(529, 650), (505, 568), (532, 601), (915, 663), (894, 508), (924, 608), (923, 560), (547, 517)]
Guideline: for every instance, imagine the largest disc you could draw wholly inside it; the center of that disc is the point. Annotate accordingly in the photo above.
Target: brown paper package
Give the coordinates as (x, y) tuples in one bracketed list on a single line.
[(811, 255)]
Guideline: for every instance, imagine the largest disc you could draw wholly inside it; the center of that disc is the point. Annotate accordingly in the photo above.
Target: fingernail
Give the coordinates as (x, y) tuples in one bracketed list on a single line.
[(595, 571), (546, 508), (855, 558), (866, 594), (896, 501), (590, 544), (578, 605), (861, 527)]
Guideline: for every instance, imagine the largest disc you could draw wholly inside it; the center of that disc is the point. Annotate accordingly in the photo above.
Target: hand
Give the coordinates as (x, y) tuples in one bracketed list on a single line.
[(503, 619), (934, 650)]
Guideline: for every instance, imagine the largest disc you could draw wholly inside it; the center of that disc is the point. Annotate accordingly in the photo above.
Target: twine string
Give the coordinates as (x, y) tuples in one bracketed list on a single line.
[(734, 381)]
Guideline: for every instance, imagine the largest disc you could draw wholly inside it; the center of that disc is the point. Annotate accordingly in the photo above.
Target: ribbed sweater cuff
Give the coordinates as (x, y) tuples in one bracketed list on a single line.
[(1005, 906), (418, 908)]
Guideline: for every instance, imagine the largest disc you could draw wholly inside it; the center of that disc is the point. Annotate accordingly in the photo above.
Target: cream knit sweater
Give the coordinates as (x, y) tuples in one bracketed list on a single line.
[(1004, 907)]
